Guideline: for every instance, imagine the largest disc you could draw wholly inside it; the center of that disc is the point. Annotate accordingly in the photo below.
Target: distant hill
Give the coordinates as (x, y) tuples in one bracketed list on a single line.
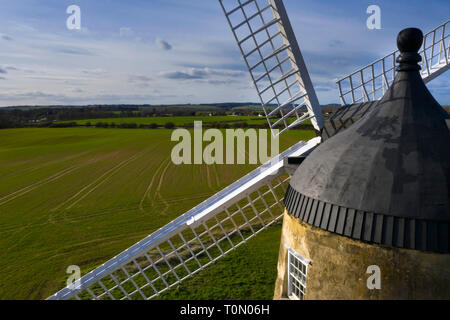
[(206, 107)]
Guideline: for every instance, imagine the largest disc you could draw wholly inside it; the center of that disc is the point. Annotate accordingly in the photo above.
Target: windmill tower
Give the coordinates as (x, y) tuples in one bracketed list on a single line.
[(225, 221), (376, 195)]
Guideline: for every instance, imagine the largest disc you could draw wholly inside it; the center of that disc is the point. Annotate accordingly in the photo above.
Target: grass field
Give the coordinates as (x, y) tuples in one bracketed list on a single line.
[(179, 121), (82, 195), (248, 273)]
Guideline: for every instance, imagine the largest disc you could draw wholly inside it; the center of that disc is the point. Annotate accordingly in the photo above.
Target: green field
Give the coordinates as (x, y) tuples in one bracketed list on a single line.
[(179, 121), (237, 276), (79, 196)]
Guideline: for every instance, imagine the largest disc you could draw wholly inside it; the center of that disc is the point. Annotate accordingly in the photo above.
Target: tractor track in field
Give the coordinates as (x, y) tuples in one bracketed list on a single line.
[(88, 189), (216, 175), (33, 186), (149, 187), (17, 242), (158, 189), (104, 241), (101, 213), (27, 189), (38, 166), (208, 177)]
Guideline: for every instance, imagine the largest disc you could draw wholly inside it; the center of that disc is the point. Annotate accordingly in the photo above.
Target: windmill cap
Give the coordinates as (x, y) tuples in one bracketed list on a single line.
[(386, 178), (409, 42)]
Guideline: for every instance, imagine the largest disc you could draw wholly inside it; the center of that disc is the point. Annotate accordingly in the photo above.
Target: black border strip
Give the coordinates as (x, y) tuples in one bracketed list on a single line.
[(408, 233)]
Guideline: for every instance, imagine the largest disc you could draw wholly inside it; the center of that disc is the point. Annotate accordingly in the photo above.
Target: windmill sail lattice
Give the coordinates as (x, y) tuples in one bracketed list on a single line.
[(194, 240), (267, 42), (371, 82)]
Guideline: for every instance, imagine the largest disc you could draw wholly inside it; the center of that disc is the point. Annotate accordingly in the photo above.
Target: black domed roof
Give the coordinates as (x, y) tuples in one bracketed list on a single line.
[(386, 178)]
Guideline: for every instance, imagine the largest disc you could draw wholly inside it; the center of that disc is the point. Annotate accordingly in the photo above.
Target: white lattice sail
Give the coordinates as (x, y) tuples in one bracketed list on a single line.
[(270, 50), (194, 240), (371, 82)]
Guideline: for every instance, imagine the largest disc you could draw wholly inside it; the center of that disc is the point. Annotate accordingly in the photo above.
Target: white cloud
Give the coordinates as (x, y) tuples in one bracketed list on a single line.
[(140, 81), (73, 50), (200, 73), (126, 32), (94, 72)]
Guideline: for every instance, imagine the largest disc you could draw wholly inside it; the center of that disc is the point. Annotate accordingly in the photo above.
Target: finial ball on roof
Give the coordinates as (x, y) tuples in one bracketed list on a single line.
[(410, 40)]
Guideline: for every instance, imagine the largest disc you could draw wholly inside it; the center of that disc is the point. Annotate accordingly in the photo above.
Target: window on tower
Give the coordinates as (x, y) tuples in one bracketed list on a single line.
[(297, 273)]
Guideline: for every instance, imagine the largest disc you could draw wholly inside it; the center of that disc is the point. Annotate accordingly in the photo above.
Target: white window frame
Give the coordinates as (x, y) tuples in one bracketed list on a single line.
[(297, 269)]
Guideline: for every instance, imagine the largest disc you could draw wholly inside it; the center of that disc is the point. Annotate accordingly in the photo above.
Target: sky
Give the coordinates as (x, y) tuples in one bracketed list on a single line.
[(178, 51)]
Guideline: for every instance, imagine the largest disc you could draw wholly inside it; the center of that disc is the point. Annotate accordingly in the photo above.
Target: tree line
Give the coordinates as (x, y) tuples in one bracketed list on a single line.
[(22, 117), (167, 125)]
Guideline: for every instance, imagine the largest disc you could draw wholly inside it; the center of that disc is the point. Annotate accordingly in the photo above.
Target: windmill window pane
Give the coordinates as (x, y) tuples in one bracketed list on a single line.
[(297, 274)]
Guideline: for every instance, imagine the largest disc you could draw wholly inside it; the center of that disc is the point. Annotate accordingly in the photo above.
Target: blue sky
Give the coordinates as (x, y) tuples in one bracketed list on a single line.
[(178, 51)]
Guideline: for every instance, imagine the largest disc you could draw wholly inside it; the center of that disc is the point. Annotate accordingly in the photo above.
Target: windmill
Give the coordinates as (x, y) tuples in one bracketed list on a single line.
[(225, 221)]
